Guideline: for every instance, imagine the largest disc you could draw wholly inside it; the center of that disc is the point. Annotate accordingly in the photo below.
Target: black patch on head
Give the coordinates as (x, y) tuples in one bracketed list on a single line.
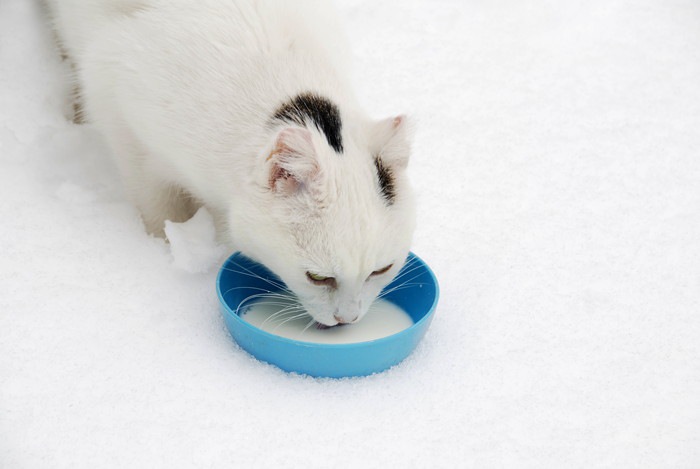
[(317, 109), (386, 181)]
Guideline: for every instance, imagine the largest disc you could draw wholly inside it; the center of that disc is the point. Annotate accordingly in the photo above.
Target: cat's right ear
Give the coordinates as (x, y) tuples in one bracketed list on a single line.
[(390, 141), (291, 164)]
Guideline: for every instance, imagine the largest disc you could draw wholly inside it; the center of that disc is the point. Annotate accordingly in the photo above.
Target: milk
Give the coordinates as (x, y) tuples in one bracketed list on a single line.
[(382, 319)]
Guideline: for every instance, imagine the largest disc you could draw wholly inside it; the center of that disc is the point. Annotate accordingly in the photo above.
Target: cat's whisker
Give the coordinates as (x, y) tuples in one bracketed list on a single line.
[(284, 307), (405, 285), (406, 281), (402, 279), (266, 294), (409, 280), (281, 285), (407, 269), (263, 290), (398, 287), (298, 316), (251, 298), (402, 285), (286, 313), (311, 323), (283, 314), (250, 273), (271, 300)]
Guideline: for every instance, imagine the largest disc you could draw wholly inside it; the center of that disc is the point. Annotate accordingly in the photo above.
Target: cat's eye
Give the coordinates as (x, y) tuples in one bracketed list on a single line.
[(317, 279), (381, 271)]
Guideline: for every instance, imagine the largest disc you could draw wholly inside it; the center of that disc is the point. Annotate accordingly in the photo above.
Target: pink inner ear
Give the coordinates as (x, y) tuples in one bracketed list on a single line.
[(282, 180), (293, 160)]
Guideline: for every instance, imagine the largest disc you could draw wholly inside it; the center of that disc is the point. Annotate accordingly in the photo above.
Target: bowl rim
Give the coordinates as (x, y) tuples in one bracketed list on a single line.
[(301, 343)]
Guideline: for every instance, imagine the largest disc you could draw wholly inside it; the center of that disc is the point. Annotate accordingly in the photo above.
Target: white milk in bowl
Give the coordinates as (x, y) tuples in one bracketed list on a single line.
[(284, 316)]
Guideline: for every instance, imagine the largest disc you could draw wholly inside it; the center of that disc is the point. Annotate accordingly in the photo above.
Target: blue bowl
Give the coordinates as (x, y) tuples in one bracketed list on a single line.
[(240, 277)]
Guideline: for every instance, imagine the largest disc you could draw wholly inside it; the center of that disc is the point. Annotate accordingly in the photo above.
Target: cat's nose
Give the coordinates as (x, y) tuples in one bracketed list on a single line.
[(342, 320)]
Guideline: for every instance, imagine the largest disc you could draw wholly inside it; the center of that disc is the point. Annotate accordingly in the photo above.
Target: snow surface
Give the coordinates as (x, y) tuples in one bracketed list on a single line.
[(557, 165), (193, 243)]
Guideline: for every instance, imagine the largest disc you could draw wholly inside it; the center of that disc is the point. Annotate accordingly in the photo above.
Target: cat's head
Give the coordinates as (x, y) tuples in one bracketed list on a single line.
[(335, 218)]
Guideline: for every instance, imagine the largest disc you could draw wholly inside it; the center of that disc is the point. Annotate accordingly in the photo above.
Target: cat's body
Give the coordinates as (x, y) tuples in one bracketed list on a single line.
[(244, 107)]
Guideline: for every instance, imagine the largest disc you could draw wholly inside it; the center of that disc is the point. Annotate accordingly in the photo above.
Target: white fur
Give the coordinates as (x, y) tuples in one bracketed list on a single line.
[(184, 90)]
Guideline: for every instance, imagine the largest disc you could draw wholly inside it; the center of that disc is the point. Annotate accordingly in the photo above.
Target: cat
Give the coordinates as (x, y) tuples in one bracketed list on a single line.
[(245, 107)]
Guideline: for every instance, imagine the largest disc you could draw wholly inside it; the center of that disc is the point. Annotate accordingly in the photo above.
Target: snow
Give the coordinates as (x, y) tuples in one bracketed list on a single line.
[(193, 243), (556, 164)]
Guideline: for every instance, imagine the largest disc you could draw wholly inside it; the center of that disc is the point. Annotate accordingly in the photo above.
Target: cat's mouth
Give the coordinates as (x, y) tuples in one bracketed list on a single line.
[(321, 326)]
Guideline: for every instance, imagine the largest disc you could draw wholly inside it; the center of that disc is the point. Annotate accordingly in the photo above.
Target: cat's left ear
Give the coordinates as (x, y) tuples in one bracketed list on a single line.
[(391, 141), (292, 163)]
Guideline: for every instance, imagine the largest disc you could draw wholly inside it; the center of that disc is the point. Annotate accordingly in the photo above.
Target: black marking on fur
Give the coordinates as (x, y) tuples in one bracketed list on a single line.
[(386, 181), (318, 110)]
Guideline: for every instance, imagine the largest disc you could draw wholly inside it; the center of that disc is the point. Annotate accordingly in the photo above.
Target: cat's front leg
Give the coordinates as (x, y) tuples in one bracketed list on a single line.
[(157, 198), (159, 201)]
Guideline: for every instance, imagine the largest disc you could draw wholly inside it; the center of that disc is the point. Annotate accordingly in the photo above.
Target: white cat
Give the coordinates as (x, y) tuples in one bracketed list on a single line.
[(244, 107)]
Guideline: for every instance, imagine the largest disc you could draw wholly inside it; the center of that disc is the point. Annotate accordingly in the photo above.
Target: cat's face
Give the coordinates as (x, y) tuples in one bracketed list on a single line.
[(339, 226), (342, 256)]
